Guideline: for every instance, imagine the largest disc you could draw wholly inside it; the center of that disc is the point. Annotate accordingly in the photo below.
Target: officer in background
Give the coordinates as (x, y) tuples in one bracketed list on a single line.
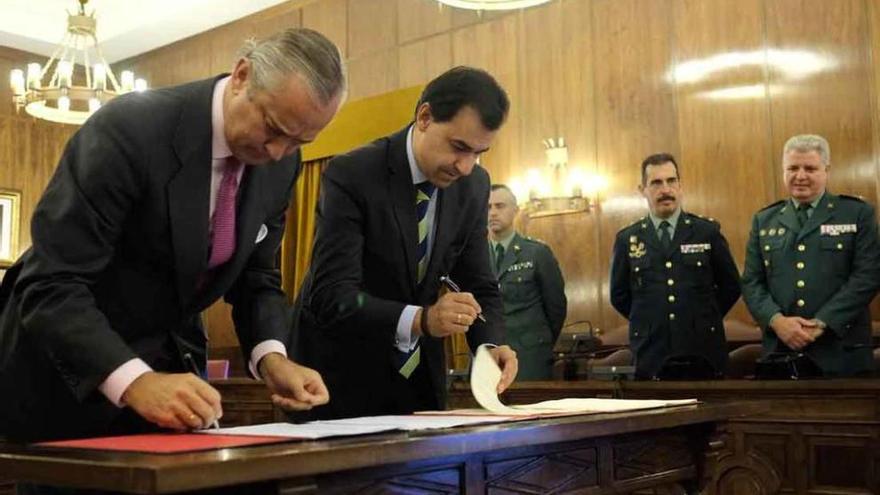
[(673, 277), (531, 287), (813, 266)]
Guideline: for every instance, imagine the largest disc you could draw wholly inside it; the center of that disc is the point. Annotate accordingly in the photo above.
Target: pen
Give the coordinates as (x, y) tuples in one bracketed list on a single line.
[(454, 288), (191, 363)]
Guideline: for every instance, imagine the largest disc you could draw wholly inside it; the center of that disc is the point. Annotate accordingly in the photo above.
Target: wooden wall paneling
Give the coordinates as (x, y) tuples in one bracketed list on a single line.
[(635, 113), (556, 76), (834, 101), (873, 7), (284, 16), (330, 18), (373, 74), (372, 26), (718, 158), (491, 46), (423, 60), (417, 19)]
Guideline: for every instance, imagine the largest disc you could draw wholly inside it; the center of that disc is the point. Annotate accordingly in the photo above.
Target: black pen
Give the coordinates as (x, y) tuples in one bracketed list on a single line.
[(191, 363), (454, 288)]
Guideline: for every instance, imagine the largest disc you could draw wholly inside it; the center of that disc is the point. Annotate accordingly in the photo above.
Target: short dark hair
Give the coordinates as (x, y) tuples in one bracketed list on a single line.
[(496, 187), (658, 159), (466, 86)]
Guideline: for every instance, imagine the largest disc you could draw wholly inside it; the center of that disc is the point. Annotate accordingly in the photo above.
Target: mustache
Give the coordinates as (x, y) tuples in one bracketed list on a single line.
[(665, 197)]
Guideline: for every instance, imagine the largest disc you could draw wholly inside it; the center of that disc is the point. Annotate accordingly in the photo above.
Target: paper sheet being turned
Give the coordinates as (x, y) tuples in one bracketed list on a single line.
[(485, 375)]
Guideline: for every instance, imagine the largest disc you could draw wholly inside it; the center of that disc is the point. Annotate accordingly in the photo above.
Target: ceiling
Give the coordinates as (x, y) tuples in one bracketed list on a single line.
[(125, 27)]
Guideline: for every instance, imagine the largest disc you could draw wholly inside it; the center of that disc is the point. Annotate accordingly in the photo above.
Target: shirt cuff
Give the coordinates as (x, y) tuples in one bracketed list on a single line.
[(404, 341), (121, 378), (260, 351)]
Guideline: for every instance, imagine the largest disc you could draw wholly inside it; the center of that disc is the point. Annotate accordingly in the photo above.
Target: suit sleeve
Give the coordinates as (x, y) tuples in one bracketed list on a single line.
[(726, 274), (473, 272), (259, 307), (755, 290), (856, 294), (621, 295), (75, 227), (552, 290), (336, 298)]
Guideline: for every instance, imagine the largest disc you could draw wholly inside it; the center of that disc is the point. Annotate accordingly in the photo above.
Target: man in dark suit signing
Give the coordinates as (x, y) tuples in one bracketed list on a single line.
[(163, 202), (393, 218)]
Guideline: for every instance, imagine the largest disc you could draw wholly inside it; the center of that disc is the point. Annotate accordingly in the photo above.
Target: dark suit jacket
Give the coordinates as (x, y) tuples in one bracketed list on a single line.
[(828, 269), (675, 299), (533, 292), (118, 264), (363, 273)]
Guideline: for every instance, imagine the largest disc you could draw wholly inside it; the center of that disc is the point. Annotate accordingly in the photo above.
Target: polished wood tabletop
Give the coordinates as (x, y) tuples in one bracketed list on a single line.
[(163, 473)]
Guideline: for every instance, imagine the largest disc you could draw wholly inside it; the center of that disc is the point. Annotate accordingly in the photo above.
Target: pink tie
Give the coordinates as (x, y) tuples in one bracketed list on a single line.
[(223, 221)]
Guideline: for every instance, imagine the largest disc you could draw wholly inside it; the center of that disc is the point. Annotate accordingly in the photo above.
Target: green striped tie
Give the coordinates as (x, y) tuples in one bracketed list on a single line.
[(424, 191)]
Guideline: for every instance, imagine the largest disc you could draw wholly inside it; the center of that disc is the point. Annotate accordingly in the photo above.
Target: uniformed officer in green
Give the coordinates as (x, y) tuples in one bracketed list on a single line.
[(813, 266), (531, 287), (673, 277)]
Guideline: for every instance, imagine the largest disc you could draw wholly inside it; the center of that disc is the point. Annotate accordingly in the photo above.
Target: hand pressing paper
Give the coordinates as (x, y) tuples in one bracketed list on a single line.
[(485, 375)]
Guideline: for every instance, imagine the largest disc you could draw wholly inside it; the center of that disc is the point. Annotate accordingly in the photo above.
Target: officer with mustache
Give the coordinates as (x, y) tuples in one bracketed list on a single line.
[(673, 277), (813, 266)]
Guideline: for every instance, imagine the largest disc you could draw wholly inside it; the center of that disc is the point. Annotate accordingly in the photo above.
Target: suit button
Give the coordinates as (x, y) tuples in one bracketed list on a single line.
[(766, 247), (699, 263), (672, 316), (668, 264), (800, 284), (800, 265), (637, 269), (801, 303), (766, 262), (839, 245), (670, 282), (711, 329), (802, 248), (671, 299)]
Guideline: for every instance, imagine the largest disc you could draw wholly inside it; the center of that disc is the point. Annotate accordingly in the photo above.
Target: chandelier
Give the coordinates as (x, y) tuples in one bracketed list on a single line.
[(75, 81), (492, 4)]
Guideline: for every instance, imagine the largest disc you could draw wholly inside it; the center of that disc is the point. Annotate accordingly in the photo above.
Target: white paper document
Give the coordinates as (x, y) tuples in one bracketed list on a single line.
[(311, 431), (485, 375)]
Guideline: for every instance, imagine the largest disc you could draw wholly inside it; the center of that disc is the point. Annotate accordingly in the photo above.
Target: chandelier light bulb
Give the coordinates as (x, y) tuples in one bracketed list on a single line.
[(64, 104), (16, 81)]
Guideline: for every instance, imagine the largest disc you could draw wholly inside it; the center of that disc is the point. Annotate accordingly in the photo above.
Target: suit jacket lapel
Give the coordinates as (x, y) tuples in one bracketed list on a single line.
[(248, 216), (511, 255), (649, 235), (403, 197), (820, 215), (189, 192), (788, 218), (444, 224), (683, 232)]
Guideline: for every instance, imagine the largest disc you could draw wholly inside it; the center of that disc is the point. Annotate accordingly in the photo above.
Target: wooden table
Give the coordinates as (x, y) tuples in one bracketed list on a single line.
[(813, 436), (606, 453)]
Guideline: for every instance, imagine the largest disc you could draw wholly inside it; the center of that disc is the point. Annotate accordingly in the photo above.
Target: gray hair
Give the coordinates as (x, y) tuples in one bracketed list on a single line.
[(300, 51), (805, 143)]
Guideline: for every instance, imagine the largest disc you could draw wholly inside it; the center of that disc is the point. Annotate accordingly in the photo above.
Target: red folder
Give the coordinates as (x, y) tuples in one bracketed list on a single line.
[(165, 443)]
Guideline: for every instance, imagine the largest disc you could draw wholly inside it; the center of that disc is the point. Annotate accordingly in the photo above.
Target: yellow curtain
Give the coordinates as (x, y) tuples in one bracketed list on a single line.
[(299, 231)]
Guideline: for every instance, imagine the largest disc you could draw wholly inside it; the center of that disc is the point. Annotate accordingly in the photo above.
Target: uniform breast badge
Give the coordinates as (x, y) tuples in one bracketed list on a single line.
[(637, 250)]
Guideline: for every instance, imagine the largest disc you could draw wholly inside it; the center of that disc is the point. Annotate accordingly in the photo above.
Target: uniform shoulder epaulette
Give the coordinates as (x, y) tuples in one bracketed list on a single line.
[(705, 219), (860, 199), (638, 221), (534, 239), (771, 205)]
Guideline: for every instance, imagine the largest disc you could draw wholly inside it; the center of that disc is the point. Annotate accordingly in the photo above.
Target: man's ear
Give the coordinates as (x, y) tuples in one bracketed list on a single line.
[(423, 116), (240, 76)]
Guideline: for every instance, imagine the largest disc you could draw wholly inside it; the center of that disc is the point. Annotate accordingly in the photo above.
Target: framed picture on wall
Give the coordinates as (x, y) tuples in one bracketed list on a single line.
[(10, 208)]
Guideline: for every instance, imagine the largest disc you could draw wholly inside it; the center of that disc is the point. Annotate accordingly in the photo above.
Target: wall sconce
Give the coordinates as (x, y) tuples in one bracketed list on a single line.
[(557, 188)]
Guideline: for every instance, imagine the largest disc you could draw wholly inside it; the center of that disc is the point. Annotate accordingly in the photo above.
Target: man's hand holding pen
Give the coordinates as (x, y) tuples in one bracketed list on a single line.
[(453, 313)]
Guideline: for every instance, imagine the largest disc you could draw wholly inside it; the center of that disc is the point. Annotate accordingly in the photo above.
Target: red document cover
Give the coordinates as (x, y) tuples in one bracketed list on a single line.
[(165, 443)]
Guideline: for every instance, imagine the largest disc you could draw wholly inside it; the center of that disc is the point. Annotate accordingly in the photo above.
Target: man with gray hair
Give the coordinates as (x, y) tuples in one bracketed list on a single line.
[(813, 266), (163, 202)]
